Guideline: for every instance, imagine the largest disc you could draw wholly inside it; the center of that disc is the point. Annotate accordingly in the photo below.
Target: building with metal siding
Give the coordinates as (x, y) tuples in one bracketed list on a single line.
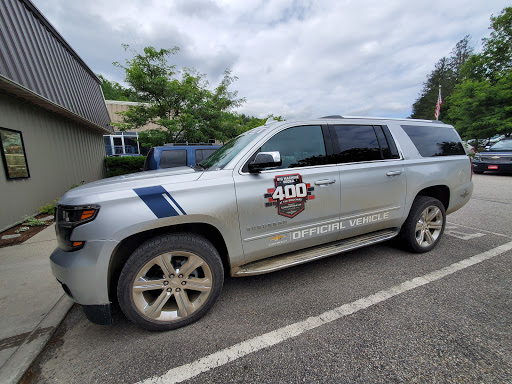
[(50, 96)]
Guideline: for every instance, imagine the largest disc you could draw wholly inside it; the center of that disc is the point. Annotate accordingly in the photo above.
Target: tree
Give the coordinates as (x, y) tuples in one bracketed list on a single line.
[(497, 49), (424, 107), (481, 109), (482, 102), (447, 73), (180, 102), (460, 54), (115, 91)]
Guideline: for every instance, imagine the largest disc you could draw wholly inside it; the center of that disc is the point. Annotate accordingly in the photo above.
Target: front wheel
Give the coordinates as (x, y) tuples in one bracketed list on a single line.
[(424, 226), (170, 281)]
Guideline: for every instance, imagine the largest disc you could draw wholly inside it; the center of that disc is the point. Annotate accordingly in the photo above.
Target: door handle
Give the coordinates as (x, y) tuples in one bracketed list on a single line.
[(325, 182), (394, 173)]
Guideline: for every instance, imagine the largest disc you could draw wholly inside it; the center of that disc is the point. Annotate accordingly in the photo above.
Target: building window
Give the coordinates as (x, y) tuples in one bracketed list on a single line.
[(13, 154)]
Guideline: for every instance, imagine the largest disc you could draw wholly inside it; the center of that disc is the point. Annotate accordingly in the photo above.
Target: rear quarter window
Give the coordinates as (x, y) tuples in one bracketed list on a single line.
[(173, 158), (434, 141)]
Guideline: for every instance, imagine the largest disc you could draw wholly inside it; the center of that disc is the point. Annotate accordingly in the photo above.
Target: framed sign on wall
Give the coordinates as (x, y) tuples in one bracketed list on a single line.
[(13, 154)]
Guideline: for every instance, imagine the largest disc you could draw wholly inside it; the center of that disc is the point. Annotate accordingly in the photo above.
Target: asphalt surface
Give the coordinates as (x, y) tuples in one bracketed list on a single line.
[(457, 328)]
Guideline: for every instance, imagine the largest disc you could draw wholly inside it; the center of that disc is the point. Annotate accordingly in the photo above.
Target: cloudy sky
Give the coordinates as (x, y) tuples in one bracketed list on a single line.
[(295, 58)]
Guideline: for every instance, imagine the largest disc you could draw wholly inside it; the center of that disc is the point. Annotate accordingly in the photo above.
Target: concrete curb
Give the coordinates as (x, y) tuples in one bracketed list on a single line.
[(16, 366)]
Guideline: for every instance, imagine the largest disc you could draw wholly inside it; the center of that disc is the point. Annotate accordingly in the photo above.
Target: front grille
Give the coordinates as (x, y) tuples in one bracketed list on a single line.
[(500, 160)]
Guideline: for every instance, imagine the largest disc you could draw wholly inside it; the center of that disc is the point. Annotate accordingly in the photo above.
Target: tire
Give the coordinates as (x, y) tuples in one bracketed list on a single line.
[(478, 172), (424, 226), (170, 281)]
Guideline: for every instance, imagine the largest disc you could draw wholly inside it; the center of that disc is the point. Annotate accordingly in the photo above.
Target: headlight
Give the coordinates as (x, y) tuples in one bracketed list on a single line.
[(478, 157), (69, 217)]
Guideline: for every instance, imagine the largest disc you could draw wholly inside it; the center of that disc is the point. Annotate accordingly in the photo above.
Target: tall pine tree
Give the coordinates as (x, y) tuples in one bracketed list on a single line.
[(447, 73)]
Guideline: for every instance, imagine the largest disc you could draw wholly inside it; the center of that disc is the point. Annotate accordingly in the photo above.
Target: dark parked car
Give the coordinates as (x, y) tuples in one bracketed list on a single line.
[(170, 156), (496, 158)]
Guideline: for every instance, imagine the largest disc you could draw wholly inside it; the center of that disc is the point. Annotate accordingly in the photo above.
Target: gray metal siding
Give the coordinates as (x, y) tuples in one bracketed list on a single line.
[(59, 152), (34, 55)]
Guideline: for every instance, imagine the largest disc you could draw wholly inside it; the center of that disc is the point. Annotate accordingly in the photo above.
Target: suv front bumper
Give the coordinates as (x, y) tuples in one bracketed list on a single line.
[(84, 277)]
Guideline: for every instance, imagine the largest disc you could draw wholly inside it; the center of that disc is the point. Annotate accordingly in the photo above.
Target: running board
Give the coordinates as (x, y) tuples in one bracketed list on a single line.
[(290, 259)]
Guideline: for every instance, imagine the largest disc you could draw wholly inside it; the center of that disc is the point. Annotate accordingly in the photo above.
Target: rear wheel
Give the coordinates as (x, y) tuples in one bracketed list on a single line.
[(170, 281), (424, 226)]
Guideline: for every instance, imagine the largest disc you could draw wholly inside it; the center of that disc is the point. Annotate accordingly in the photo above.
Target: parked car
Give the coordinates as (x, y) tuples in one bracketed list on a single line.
[(497, 158), (279, 195), (470, 150), (180, 155), (493, 140)]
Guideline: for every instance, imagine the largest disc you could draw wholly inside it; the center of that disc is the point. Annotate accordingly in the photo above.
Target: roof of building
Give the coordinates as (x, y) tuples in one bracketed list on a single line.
[(37, 64)]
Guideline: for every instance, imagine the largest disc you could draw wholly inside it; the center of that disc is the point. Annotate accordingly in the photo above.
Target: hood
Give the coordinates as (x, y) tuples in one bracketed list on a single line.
[(131, 181), (488, 154)]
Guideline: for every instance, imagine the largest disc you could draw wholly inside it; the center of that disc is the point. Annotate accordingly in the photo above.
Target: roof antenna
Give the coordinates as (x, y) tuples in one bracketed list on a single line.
[(270, 120)]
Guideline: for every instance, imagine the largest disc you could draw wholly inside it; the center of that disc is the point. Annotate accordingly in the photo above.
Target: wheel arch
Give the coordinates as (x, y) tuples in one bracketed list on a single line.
[(439, 192), (126, 247)]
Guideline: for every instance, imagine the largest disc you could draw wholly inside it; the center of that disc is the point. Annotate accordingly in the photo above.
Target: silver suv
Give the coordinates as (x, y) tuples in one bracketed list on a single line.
[(283, 194)]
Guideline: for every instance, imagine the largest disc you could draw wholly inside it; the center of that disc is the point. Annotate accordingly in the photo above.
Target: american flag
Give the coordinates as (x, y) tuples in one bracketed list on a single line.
[(438, 105)]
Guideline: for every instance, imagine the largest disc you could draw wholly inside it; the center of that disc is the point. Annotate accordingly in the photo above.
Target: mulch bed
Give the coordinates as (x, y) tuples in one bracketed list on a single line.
[(24, 235)]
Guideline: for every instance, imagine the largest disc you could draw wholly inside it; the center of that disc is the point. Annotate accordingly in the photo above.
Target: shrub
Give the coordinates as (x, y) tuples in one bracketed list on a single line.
[(122, 165), (33, 222), (49, 207)]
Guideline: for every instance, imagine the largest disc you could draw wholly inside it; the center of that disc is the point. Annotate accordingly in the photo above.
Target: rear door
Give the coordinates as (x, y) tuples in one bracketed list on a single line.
[(372, 178), (295, 206)]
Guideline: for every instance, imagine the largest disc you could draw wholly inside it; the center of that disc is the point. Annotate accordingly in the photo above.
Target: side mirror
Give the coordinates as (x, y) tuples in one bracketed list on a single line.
[(264, 160)]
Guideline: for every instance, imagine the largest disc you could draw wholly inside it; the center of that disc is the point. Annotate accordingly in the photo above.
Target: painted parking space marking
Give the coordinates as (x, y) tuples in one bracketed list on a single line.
[(479, 229), (454, 232), (227, 355)]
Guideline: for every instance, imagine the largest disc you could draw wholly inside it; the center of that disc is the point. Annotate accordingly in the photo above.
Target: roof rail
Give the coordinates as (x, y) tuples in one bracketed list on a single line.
[(381, 118), (184, 144)]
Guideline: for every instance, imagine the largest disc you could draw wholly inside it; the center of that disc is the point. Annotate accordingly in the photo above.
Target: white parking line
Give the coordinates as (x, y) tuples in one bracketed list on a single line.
[(227, 355), (478, 229), (461, 235)]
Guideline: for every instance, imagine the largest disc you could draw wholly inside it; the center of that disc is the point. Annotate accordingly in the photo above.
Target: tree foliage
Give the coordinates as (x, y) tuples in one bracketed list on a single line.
[(447, 73), (481, 109), (482, 101), (180, 102), (476, 88), (115, 91)]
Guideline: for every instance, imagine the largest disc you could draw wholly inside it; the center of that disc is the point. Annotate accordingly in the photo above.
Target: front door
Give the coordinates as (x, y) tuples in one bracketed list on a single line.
[(295, 206)]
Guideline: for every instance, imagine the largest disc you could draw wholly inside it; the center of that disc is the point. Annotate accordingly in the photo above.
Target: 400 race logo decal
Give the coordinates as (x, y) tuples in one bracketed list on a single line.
[(289, 195)]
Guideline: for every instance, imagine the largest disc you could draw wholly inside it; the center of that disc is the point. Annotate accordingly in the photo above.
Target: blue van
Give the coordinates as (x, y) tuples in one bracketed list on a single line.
[(179, 155)]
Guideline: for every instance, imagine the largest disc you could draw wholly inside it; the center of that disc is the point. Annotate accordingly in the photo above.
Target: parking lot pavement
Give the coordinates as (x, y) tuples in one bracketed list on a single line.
[(372, 315)]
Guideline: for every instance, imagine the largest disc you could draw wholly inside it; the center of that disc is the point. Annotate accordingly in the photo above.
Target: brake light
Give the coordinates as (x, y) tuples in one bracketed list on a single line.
[(471, 162)]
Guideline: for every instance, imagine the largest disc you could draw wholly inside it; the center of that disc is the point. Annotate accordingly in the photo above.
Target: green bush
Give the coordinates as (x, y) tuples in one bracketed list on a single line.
[(33, 222), (49, 207), (122, 165)]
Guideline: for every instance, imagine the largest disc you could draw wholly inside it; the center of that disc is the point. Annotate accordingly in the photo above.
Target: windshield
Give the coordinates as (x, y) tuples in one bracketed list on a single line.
[(226, 153), (505, 145)]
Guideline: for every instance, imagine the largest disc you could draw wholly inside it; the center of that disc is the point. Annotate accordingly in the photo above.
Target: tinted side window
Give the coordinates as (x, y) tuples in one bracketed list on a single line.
[(434, 141), (202, 154), (299, 146), (386, 143), (173, 158), (356, 143)]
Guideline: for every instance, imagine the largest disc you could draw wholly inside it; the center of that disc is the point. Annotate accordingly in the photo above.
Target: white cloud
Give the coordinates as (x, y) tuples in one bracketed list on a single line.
[(295, 58)]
